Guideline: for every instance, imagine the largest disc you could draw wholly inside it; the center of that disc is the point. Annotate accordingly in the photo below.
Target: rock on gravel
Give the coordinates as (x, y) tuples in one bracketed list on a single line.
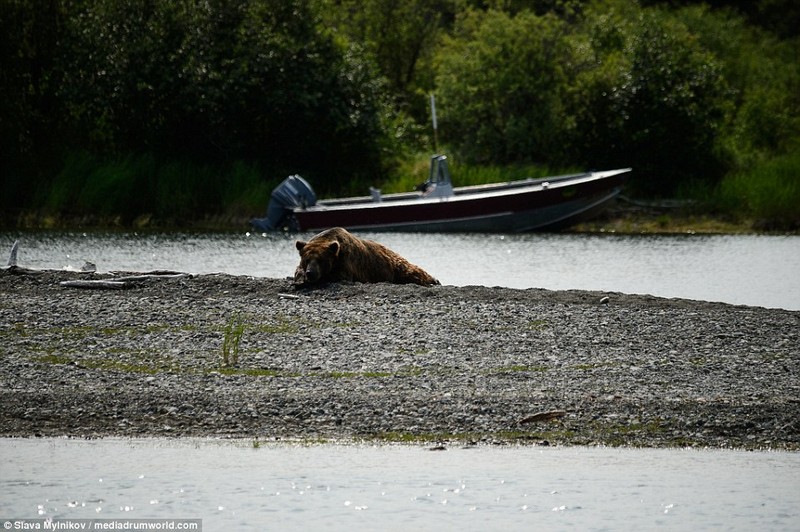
[(231, 356)]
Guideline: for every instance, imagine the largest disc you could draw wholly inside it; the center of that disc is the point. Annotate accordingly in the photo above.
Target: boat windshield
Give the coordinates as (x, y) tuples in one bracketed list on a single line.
[(439, 172), (439, 184)]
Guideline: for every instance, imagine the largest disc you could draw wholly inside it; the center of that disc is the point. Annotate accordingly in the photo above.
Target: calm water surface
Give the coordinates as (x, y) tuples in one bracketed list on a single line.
[(740, 269), (234, 486)]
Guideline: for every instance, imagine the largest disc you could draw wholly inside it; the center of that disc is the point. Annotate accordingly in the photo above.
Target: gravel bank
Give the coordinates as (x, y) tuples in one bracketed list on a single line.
[(390, 362)]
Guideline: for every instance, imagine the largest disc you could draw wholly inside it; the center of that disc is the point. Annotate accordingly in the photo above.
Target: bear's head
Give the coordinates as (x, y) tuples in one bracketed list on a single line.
[(317, 260)]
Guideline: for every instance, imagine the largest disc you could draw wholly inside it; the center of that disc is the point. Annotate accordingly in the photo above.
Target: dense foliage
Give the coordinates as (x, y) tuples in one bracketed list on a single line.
[(130, 106), (185, 108)]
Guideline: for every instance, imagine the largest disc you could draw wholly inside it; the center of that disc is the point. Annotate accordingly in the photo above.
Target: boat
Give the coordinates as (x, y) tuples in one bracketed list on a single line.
[(545, 204)]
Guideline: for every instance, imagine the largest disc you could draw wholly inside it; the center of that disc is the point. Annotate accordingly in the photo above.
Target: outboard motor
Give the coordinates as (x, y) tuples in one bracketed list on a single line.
[(293, 192)]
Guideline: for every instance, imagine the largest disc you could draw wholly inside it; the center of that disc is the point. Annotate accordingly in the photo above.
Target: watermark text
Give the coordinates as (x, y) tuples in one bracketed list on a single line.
[(194, 525)]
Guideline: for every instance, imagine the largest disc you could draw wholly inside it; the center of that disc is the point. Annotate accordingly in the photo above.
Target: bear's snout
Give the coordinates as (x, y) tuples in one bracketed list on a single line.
[(312, 273)]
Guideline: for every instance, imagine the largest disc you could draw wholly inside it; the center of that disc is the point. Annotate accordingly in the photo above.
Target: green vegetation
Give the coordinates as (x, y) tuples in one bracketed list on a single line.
[(251, 372), (555, 435), (769, 192), (520, 368), (124, 111), (103, 364), (620, 434), (593, 365), (233, 332), (55, 359), (414, 170)]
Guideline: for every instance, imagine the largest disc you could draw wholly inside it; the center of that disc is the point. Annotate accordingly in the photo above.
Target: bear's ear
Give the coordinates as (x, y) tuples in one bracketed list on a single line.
[(300, 245), (333, 247)]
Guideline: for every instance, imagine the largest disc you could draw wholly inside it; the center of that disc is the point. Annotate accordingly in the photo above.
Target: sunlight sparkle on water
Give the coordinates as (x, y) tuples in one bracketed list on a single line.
[(233, 487)]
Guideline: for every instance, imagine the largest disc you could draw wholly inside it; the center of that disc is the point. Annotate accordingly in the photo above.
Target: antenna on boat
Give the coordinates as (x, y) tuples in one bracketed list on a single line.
[(435, 128)]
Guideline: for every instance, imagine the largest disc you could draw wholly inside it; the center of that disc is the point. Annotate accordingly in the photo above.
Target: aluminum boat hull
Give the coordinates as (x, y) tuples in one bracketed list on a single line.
[(518, 206)]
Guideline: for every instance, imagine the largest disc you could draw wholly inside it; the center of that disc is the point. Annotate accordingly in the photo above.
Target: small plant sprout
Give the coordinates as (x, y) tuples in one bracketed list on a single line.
[(230, 342)]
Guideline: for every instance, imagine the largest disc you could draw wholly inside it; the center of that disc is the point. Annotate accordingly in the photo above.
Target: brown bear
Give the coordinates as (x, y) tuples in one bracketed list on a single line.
[(337, 255)]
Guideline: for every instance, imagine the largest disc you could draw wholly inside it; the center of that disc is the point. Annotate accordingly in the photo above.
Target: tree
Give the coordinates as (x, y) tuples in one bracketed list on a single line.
[(220, 81), (674, 106), (652, 97), (30, 112), (501, 81), (400, 35)]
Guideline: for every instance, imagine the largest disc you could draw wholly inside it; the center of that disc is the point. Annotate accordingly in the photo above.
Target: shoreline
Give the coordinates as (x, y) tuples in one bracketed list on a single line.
[(224, 356), (622, 218)]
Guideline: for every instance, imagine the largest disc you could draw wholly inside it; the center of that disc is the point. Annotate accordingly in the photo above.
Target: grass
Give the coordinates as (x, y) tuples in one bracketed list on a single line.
[(594, 365), (233, 332), (355, 374), (252, 372), (765, 196), (79, 332), (145, 191), (617, 435), (558, 435), (520, 369), (415, 171), (55, 359), (258, 372), (235, 328), (104, 364), (152, 361), (769, 192), (144, 187), (227, 361), (538, 325), (613, 434)]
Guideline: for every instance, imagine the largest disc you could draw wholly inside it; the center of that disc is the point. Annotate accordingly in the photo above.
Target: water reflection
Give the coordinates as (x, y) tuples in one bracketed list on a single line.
[(740, 269)]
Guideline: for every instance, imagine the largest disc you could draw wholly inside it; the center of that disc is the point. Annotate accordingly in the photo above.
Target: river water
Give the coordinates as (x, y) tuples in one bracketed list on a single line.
[(235, 486), (238, 486), (740, 269)]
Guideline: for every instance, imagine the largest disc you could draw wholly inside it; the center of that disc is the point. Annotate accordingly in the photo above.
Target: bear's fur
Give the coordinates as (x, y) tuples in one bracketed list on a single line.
[(337, 255)]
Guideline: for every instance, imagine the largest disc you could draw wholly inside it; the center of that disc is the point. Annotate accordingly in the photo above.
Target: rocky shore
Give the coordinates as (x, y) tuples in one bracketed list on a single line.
[(227, 356)]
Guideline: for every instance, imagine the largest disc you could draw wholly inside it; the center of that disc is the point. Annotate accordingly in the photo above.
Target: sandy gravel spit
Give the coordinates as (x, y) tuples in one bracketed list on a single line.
[(244, 357)]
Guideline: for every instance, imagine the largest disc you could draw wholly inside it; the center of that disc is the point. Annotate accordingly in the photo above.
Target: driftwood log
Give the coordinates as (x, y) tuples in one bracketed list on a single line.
[(120, 283), (96, 283), (543, 416)]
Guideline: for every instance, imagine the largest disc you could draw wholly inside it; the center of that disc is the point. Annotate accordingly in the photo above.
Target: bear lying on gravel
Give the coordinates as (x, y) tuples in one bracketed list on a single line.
[(337, 255)]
